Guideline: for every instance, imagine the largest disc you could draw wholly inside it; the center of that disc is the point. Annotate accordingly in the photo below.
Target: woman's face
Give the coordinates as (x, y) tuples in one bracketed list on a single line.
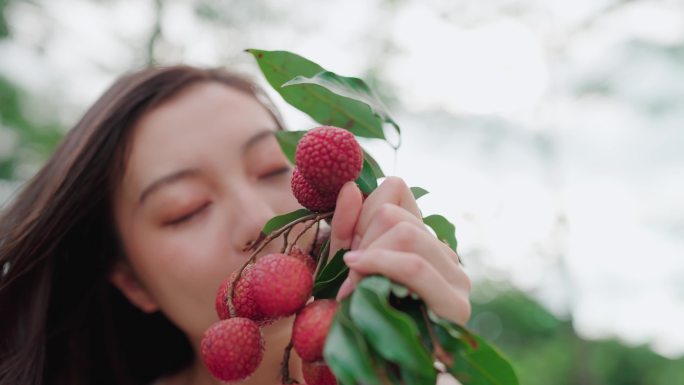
[(203, 175)]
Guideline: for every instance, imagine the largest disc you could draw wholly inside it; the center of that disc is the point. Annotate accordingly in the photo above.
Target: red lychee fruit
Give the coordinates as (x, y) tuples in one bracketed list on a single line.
[(328, 157), (282, 285), (232, 349), (221, 301), (309, 197), (303, 256), (311, 327), (317, 373), (243, 298)]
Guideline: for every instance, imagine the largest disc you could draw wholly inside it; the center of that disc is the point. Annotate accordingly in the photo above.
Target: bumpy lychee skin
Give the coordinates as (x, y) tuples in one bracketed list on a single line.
[(243, 298), (232, 349), (317, 373), (328, 157), (221, 301), (304, 257), (282, 285), (311, 328), (309, 197)]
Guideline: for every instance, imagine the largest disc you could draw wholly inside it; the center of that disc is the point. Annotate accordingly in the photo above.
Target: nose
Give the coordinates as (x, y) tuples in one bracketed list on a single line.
[(251, 212)]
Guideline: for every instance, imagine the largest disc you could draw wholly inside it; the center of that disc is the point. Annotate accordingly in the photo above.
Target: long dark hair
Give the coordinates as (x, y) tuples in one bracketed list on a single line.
[(61, 321)]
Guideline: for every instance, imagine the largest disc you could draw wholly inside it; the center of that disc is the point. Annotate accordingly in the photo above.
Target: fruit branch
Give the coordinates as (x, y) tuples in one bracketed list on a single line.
[(259, 246), (308, 226), (315, 242), (285, 365), (438, 351), (322, 258), (286, 235)]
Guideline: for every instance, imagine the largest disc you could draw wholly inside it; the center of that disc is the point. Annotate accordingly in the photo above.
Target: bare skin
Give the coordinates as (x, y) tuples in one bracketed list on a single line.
[(203, 175)]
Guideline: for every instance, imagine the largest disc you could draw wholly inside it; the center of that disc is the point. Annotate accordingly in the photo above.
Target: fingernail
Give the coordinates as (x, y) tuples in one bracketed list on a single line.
[(351, 256), (345, 289)]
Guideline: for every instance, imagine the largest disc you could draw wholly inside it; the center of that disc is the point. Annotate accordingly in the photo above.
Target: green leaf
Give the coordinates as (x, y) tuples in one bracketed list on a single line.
[(371, 171), (475, 362), (276, 223), (323, 251), (377, 171), (410, 304), (418, 192), (445, 230), (330, 278), (346, 351), (7, 168), (399, 291), (352, 88), (281, 220), (288, 142), (390, 332), (367, 181), (4, 31), (321, 104), (332, 268)]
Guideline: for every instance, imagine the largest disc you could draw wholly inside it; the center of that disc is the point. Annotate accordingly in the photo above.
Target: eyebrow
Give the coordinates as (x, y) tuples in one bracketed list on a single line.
[(192, 172), (256, 138), (168, 179)]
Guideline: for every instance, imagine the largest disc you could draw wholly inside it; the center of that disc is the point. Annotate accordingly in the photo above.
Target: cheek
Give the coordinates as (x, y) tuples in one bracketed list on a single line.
[(281, 197), (283, 201), (182, 268)]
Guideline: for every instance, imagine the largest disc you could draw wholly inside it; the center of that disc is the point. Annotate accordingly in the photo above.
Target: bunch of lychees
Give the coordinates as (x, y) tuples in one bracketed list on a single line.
[(280, 284)]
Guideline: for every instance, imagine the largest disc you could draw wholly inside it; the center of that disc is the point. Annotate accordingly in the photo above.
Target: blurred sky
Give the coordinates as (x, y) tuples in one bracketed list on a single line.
[(549, 132)]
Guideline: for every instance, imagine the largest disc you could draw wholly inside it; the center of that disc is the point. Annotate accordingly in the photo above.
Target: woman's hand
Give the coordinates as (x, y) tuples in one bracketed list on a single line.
[(387, 236)]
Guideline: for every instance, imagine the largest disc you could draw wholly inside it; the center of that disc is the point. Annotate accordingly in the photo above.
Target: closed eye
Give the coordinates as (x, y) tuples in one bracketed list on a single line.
[(186, 217), (277, 172)]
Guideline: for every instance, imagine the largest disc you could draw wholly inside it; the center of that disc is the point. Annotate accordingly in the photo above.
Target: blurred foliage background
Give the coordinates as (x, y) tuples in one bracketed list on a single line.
[(546, 350), (565, 141)]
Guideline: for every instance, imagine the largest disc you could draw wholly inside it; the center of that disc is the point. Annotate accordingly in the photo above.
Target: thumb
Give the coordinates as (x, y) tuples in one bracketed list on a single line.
[(347, 212)]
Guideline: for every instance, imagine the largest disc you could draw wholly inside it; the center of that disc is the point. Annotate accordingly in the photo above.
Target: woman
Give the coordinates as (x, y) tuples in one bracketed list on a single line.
[(113, 252)]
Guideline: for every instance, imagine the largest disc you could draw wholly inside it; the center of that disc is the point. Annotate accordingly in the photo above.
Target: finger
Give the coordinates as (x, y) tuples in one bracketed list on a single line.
[(386, 217), (347, 209), (410, 237), (348, 285), (418, 275), (392, 190), (407, 237)]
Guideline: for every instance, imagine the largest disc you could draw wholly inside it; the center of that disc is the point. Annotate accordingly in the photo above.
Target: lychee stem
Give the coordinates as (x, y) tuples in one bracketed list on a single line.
[(323, 257), (286, 235), (265, 241), (438, 351), (314, 244), (285, 365), (310, 225)]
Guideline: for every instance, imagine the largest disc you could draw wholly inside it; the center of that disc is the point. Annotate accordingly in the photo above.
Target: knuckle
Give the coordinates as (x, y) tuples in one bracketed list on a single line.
[(387, 215), (394, 183), (460, 280), (405, 233), (457, 308), (465, 309), (413, 266), (467, 283)]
